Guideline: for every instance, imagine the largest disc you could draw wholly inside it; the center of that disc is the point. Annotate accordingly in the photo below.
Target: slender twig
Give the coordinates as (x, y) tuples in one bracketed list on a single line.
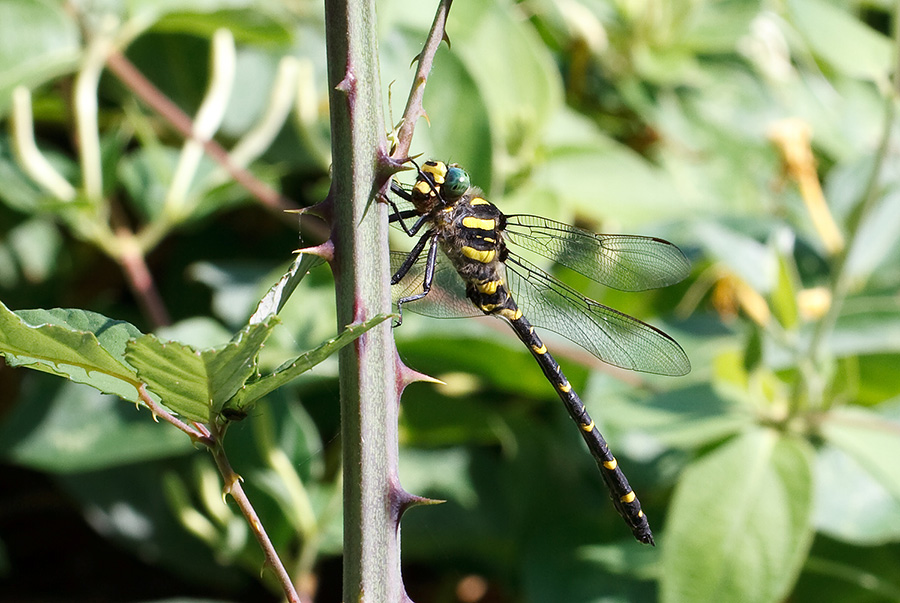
[(134, 264), (196, 432), (86, 124), (233, 487), (211, 437), (414, 107)]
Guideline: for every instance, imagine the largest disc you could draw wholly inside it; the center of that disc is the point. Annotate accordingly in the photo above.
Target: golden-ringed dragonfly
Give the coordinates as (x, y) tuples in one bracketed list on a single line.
[(483, 276)]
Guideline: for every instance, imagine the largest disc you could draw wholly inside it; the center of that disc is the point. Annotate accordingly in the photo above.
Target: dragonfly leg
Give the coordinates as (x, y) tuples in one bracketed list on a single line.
[(429, 271)]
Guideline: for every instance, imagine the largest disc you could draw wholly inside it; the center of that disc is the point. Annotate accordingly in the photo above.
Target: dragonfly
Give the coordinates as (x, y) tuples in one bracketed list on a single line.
[(470, 269)]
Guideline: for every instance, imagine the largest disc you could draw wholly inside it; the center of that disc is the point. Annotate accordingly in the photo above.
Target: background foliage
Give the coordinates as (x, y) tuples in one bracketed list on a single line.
[(767, 473)]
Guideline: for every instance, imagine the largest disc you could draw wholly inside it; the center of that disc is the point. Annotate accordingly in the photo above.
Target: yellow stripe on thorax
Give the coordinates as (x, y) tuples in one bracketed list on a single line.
[(478, 223), (478, 201), (485, 257)]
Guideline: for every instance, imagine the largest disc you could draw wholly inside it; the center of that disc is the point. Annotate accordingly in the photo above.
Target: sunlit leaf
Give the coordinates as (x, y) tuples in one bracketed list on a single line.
[(197, 383), (738, 526), (872, 439), (83, 346)]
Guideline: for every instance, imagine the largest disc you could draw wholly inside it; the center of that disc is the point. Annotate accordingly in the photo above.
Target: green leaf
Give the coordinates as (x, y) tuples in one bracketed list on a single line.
[(874, 244), (851, 504), (687, 418), (513, 71), (233, 364), (290, 370), (174, 372), (877, 378), (749, 259), (38, 41), (83, 346), (840, 39), (18, 192), (871, 438), (196, 384), (632, 187), (35, 243), (874, 329), (248, 26), (739, 524)]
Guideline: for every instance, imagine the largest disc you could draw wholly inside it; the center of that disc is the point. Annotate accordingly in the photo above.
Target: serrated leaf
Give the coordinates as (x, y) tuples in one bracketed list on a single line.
[(197, 383), (237, 361), (739, 525), (288, 371), (82, 346), (174, 372)]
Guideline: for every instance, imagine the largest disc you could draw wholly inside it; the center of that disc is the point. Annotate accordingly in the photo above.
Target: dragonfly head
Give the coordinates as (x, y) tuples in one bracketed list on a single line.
[(456, 183)]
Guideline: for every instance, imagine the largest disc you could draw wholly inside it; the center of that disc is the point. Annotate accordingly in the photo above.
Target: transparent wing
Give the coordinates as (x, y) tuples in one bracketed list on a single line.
[(447, 298), (610, 335), (624, 262)]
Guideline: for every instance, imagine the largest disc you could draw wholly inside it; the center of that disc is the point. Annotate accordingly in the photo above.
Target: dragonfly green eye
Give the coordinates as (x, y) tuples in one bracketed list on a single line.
[(456, 182)]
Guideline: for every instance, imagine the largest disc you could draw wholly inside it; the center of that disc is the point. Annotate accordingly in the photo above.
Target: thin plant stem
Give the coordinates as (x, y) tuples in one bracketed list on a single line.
[(233, 487), (414, 107)]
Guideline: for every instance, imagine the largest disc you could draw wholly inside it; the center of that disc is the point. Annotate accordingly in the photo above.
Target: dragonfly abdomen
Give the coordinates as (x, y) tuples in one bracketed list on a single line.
[(623, 497)]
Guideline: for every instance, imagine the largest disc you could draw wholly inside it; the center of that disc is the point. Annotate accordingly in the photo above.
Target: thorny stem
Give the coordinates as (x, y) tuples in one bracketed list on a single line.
[(369, 398), (371, 375)]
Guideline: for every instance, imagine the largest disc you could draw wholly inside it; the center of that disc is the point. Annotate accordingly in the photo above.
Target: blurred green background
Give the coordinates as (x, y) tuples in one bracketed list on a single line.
[(759, 137)]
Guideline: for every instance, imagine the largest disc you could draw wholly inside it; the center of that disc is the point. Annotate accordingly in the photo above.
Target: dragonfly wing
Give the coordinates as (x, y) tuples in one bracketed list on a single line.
[(447, 298), (610, 335), (624, 262)]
